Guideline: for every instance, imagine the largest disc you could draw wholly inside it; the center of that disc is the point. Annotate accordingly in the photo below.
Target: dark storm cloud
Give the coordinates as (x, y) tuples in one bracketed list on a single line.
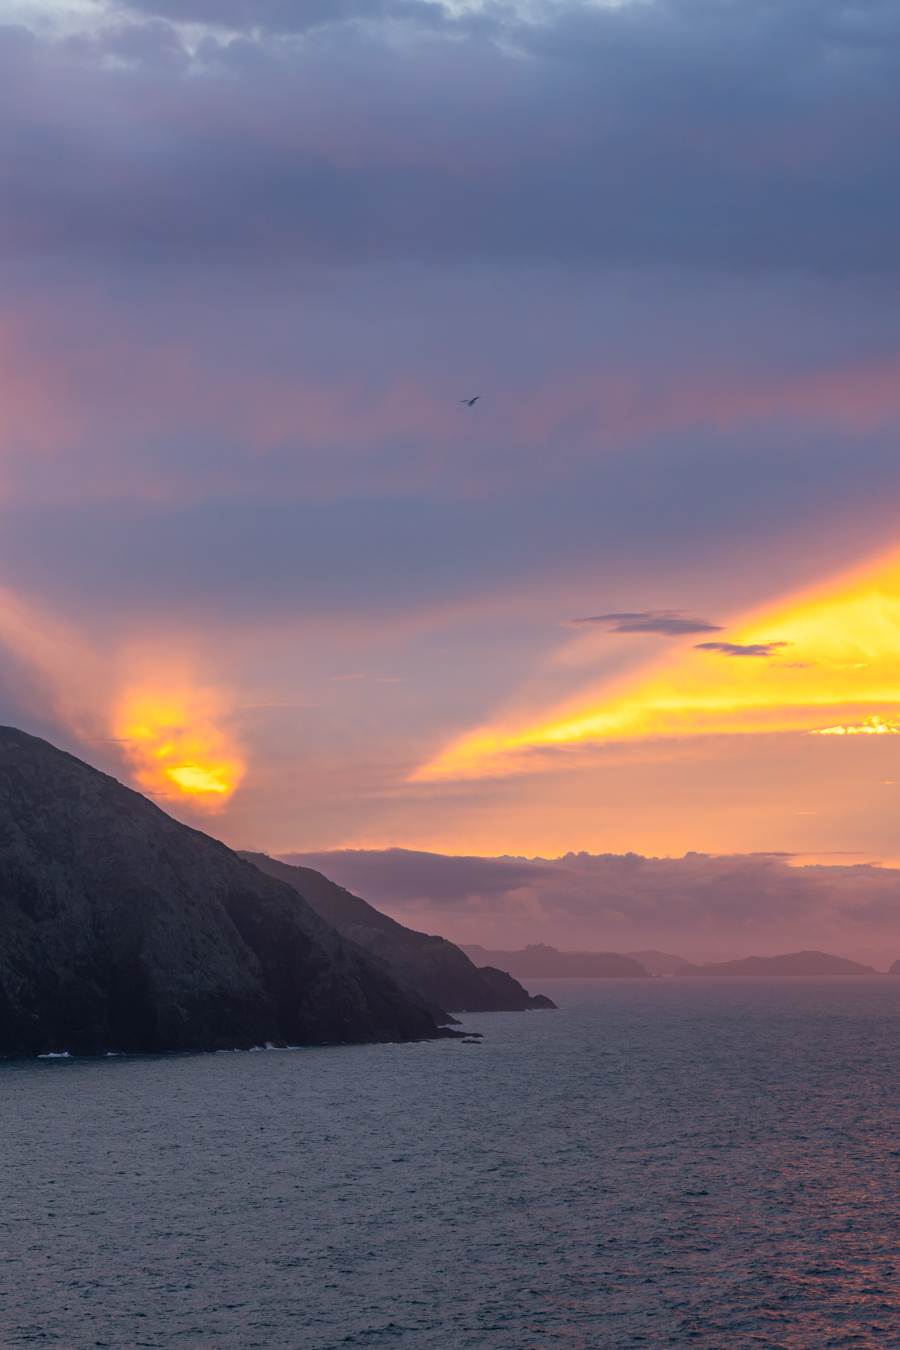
[(666, 622), (717, 136), (741, 648)]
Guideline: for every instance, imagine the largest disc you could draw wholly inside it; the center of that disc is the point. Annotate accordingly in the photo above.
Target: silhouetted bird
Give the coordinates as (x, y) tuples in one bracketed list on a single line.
[(470, 402)]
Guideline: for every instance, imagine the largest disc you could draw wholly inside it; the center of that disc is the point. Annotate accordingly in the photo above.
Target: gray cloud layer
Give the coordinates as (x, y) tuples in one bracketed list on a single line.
[(291, 16), (719, 136)]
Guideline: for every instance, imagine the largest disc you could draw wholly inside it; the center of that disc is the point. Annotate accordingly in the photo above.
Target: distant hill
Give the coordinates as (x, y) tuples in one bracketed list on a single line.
[(433, 968), (659, 963), (895, 968), (539, 962), (792, 963), (123, 930)]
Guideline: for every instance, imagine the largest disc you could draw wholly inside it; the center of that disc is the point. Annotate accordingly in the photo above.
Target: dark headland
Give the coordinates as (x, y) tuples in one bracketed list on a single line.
[(433, 968), (123, 930), (539, 961)]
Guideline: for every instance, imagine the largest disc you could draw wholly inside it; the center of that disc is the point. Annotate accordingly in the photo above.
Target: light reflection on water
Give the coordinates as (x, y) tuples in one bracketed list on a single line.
[(660, 1163)]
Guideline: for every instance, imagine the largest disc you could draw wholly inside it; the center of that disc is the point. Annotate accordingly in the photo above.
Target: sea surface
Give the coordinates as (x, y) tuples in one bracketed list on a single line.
[(659, 1163)]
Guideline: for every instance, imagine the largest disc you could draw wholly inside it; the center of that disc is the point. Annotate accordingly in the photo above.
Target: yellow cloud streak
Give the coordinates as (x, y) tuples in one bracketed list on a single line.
[(841, 659)]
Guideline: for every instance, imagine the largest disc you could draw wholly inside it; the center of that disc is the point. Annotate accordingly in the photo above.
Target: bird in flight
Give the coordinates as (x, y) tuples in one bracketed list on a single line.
[(470, 402)]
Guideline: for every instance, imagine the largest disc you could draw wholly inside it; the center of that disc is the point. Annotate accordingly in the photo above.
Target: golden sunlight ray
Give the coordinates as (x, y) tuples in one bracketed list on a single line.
[(831, 665)]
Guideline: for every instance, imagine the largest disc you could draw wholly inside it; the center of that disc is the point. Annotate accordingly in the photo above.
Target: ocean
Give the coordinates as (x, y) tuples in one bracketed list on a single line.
[(659, 1163)]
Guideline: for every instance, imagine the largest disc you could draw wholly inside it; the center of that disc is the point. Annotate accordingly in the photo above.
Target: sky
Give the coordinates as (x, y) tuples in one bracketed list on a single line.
[(256, 557)]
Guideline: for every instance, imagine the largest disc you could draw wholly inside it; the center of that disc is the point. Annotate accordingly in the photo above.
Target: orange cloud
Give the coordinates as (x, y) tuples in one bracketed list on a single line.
[(175, 740), (173, 729), (833, 656)]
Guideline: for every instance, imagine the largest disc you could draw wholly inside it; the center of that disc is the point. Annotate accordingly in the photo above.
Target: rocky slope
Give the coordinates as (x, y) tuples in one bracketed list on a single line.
[(539, 961), (123, 930), (432, 967), (791, 963)]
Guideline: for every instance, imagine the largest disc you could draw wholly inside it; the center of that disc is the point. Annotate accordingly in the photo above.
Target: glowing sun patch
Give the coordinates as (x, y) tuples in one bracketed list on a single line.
[(175, 740)]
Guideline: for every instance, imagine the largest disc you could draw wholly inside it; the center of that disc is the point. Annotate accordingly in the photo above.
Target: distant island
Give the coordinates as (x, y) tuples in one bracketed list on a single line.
[(659, 963), (792, 963), (123, 930), (436, 971), (539, 961)]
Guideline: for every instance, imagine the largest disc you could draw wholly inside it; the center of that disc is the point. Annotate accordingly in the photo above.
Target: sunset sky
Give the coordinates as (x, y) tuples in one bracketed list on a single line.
[(259, 561)]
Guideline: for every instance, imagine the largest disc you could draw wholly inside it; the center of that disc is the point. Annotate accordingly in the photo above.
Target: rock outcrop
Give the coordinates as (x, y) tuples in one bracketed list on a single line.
[(431, 967), (123, 930)]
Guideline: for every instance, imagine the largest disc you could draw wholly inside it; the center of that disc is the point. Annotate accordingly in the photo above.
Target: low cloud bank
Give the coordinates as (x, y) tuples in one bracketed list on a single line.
[(702, 906)]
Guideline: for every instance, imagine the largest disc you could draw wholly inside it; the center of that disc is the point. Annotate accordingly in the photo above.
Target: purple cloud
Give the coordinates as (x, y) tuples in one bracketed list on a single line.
[(400, 874), (700, 905), (666, 622), (742, 648)]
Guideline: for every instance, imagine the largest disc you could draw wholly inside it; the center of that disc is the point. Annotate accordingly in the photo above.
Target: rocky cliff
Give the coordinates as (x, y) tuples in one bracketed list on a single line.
[(123, 930), (432, 967)]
